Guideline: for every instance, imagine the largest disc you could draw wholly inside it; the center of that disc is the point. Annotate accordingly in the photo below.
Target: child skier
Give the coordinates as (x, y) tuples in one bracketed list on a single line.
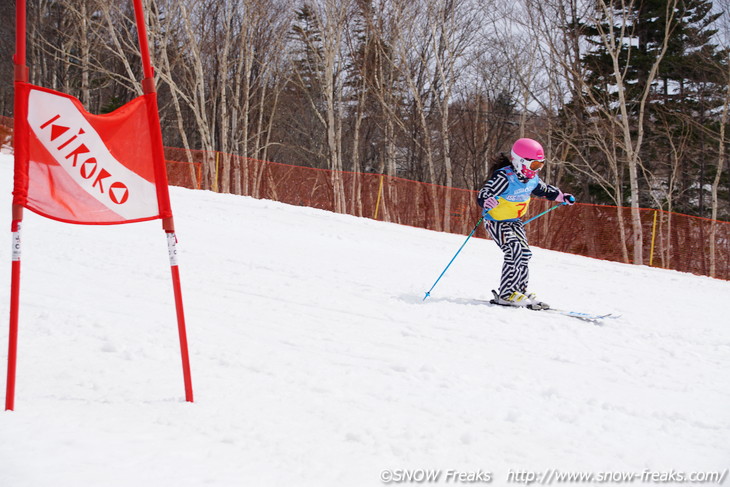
[(504, 198)]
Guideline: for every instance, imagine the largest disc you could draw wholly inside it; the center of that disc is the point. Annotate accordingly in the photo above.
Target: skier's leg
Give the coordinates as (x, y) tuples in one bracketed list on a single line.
[(514, 268), (524, 254), (511, 238)]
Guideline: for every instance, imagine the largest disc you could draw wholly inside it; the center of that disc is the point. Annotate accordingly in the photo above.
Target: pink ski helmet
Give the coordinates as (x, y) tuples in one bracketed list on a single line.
[(528, 157)]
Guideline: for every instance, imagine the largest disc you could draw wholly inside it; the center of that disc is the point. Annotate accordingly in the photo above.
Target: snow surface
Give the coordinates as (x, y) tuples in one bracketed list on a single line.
[(316, 363)]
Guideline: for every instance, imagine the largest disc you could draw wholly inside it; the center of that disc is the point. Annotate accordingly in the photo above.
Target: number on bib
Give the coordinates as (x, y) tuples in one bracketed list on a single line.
[(521, 209)]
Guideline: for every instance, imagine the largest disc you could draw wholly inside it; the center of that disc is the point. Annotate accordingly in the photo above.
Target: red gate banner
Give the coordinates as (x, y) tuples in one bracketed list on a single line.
[(85, 168)]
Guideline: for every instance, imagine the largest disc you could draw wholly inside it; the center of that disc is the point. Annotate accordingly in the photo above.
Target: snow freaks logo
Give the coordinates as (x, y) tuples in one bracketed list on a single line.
[(424, 476), (73, 142)]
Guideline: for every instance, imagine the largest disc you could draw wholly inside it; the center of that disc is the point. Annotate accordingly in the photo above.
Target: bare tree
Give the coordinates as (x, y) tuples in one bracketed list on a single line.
[(224, 20), (257, 82), (331, 18), (611, 127), (166, 32), (487, 108), (721, 163), (452, 32), (615, 40), (724, 36), (193, 15)]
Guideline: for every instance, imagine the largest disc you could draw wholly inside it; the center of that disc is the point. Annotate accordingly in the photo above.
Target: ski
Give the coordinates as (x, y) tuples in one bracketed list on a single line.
[(596, 319), (589, 317)]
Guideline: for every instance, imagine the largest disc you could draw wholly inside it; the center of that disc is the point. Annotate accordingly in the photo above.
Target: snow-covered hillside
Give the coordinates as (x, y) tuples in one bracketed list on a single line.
[(316, 363)]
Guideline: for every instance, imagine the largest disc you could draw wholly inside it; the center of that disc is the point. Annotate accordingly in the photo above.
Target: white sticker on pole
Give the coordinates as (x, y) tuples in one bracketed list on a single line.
[(16, 244), (172, 248)]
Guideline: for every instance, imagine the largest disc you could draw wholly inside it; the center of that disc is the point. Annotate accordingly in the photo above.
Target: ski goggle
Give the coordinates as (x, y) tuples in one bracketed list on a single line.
[(534, 164)]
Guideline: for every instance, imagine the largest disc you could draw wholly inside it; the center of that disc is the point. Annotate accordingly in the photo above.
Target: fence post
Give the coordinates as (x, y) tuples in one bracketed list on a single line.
[(653, 239), (380, 194), (215, 174)]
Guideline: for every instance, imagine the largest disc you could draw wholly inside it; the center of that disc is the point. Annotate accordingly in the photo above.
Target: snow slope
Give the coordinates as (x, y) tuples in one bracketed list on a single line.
[(315, 362)]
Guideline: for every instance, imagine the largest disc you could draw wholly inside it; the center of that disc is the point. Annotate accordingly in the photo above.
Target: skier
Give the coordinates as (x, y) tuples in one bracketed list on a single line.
[(504, 198)]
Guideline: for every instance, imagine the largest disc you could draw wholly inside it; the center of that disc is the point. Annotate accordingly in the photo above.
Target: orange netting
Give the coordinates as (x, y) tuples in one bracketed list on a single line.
[(680, 242), (669, 240)]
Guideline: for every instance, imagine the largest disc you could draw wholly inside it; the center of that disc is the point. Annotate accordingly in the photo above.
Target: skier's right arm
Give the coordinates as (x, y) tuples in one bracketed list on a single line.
[(494, 186)]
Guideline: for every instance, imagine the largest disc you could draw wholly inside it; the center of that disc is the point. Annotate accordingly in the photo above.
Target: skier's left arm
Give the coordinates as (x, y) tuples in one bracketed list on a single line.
[(553, 193)]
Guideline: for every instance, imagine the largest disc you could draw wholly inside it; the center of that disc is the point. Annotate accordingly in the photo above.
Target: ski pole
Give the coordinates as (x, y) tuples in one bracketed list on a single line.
[(428, 293), (544, 212)]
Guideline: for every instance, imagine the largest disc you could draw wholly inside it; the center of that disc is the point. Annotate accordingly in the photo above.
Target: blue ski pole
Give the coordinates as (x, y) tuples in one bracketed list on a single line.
[(544, 212), (428, 293)]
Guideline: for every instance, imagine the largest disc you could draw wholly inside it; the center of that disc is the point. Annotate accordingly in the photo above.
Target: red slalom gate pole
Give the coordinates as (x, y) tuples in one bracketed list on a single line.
[(177, 289), (14, 313), (163, 195), (19, 132)]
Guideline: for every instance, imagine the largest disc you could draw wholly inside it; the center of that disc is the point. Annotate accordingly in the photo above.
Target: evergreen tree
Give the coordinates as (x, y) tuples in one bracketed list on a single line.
[(687, 90), (691, 91), (303, 98), (307, 50)]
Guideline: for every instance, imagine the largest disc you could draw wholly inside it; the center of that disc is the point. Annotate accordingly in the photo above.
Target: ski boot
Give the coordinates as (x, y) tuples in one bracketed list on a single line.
[(519, 300), (534, 303)]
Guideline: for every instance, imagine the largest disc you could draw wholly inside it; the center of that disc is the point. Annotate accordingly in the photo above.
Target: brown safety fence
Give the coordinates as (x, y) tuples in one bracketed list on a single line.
[(669, 240)]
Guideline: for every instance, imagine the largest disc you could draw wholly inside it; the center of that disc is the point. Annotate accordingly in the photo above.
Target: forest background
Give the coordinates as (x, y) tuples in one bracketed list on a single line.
[(629, 98)]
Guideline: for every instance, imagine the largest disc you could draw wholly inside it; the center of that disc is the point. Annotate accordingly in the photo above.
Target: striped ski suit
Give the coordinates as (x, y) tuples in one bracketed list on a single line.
[(505, 227), (511, 238)]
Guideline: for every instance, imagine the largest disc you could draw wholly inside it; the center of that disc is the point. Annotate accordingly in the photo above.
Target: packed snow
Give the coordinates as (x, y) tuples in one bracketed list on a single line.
[(316, 362)]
